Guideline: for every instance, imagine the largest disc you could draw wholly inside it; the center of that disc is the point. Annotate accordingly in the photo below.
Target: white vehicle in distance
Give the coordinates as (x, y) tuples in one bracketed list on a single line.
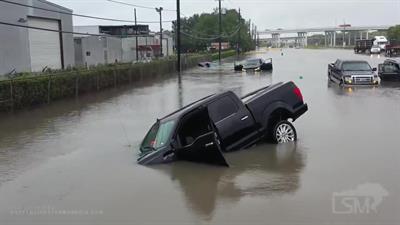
[(381, 41), (375, 49)]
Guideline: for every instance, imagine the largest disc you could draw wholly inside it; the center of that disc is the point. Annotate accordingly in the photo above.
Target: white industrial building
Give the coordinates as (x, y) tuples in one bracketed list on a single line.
[(94, 50), (31, 50)]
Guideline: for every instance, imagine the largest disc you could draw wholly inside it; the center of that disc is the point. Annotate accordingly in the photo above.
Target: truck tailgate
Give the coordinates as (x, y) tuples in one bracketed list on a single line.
[(277, 93)]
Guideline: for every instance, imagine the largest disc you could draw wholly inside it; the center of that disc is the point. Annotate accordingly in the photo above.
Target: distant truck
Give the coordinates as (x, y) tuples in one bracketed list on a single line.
[(381, 41), (352, 72), (364, 46), (393, 48)]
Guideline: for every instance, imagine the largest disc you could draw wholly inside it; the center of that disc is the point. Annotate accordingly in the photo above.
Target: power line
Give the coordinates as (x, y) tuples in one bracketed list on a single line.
[(78, 15), (236, 29), (139, 6), (211, 38), (232, 3), (198, 38), (194, 32), (233, 33), (62, 31)]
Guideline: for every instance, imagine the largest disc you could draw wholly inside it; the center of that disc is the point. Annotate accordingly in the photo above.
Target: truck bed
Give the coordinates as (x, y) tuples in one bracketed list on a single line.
[(279, 94)]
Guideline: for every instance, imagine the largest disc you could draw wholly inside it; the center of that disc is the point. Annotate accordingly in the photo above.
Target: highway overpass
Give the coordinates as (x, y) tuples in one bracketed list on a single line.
[(300, 37)]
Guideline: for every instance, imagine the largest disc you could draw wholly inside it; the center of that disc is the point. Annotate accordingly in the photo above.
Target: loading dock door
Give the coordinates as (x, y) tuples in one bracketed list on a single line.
[(45, 48)]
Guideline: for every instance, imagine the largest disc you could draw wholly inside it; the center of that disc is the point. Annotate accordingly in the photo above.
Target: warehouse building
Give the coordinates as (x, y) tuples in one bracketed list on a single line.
[(94, 50), (148, 44), (114, 30), (31, 50)]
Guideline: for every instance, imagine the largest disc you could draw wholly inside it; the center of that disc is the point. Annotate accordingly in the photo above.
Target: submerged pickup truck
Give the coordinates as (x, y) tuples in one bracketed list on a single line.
[(223, 122), (352, 72)]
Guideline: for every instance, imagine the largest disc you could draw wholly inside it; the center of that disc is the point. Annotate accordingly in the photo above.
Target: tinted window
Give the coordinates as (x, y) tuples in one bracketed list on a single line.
[(222, 108), (356, 66), (253, 62), (389, 68)]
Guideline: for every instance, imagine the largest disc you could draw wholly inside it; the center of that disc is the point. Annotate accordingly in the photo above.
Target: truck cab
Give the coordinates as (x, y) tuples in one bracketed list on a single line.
[(389, 70), (381, 42)]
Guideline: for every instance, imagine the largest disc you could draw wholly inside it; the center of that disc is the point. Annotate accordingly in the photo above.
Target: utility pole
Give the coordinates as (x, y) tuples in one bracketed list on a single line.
[(252, 33), (136, 37), (344, 33), (250, 28), (240, 28), (178, 35), (220, 32), (255, 35), (159, 10)]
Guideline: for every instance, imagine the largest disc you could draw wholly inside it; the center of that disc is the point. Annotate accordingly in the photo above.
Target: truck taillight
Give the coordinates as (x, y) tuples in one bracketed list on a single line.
[(297, 92)]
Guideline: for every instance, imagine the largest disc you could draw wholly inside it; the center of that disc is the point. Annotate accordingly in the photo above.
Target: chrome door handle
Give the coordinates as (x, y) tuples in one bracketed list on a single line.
[(244, 118), (209, 144)]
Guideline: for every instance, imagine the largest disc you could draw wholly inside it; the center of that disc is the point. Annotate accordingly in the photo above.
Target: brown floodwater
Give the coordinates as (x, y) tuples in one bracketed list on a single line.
[(74, 161)]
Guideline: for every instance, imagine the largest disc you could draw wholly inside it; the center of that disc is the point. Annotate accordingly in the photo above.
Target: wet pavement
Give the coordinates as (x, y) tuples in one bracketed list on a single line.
[(74, 161)]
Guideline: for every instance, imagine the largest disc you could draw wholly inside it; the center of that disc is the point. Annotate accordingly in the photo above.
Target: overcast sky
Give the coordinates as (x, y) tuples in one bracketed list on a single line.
[(266, 14)]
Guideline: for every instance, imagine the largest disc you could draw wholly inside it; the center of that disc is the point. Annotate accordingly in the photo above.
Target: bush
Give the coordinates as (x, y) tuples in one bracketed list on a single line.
[(31, 89)]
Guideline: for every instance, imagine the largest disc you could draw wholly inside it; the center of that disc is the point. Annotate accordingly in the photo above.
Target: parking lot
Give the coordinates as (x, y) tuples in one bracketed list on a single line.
[(75, 160)]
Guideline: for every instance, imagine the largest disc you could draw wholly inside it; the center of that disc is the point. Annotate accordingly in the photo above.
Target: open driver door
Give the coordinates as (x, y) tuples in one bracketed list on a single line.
[(205, 147)]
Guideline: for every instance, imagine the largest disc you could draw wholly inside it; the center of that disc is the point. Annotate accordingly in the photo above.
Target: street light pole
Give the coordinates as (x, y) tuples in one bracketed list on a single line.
[(240, 29), (159, 10), (220, 32), (178, 35), (136, 37)]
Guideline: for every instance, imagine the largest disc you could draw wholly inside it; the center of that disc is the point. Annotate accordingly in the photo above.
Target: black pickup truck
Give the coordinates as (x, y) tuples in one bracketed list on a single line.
[(390, 70), (352, 72), (223, 122)]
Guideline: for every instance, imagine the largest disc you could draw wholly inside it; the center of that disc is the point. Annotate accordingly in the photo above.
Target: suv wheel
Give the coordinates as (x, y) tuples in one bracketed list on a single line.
[(284, 132)]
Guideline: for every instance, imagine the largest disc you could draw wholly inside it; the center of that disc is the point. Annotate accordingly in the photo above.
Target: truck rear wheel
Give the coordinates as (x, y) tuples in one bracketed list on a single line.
[(284, 132)]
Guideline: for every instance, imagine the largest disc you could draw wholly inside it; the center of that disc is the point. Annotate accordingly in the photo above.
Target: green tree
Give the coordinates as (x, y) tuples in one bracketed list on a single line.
[(199, 31), (394, 33)]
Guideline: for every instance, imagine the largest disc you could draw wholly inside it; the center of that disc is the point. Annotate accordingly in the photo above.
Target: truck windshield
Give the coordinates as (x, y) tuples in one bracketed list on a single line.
[(252, 62), (158, 136), (356, 66)]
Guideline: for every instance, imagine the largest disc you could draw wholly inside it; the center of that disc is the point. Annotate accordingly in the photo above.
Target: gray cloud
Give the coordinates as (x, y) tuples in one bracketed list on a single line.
[(266, 14)]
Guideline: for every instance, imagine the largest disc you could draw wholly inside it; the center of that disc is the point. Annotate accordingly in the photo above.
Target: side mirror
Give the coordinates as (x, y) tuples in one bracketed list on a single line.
[(374, 69)]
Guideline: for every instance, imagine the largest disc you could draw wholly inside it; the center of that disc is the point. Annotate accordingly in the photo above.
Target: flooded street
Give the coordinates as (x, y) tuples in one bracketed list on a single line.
[(74, 161)]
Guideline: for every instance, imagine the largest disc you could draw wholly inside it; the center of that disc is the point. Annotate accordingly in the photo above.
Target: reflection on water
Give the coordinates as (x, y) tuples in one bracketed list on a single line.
[(349, 90), (385, 89), (265, 170), (22, 131)]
